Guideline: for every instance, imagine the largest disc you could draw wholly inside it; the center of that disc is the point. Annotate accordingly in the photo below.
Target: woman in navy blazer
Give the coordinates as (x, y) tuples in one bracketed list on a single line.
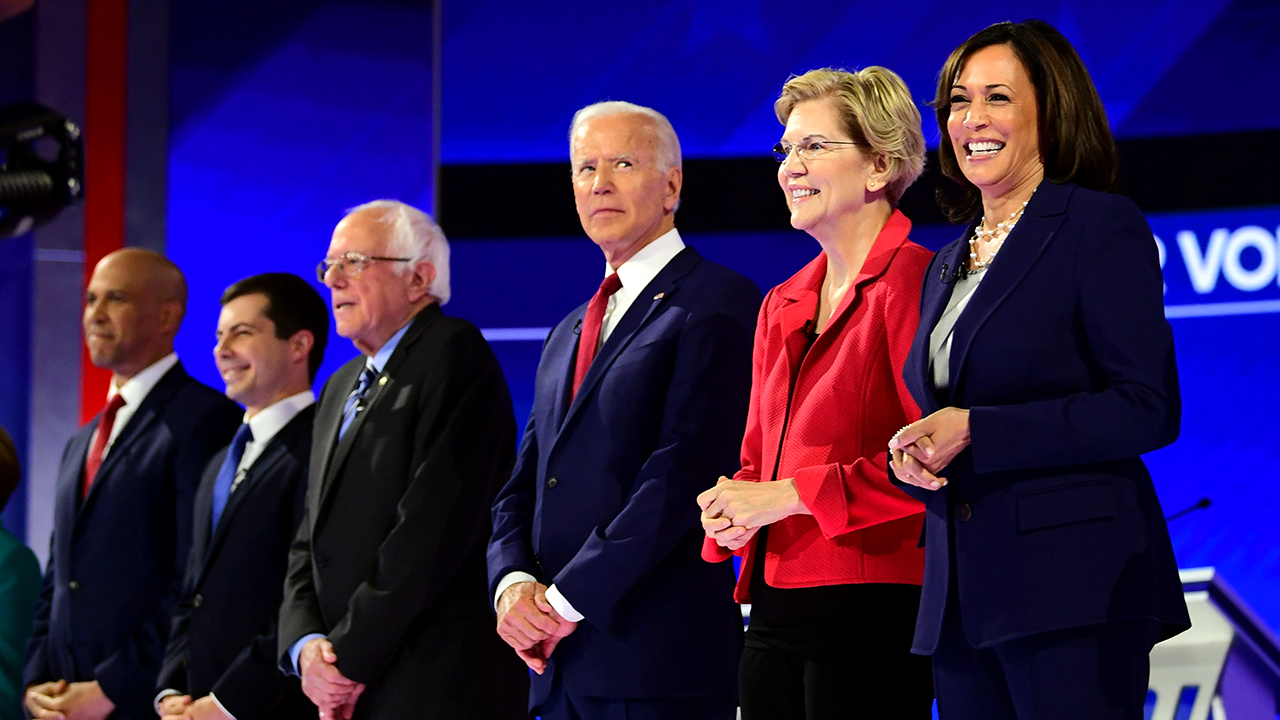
[(1044, 368)]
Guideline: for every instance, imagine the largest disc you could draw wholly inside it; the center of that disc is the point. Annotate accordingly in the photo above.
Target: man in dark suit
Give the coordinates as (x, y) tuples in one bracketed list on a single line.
[(221, 660), (641, 401), (385, 612), (122, 515)]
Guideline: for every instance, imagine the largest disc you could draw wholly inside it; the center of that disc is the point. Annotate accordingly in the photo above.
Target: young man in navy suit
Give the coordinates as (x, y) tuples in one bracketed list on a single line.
[(122, 514), (641, 401), (221, 659)]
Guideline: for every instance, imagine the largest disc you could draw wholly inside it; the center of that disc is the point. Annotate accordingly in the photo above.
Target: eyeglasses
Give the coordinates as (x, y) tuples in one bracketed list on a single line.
[(351, 264), (809, 149)]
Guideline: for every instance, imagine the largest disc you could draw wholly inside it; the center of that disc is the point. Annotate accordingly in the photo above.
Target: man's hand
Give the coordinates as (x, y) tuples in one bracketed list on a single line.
[(69, 701), (204, 709), (751, 505), (521, 622), (536, 656), (172, 706), (38, 699), (922, 449), (331, 691)]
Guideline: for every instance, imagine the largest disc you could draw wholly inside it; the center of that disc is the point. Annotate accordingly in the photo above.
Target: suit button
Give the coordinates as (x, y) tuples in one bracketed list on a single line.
[(321, 561), (197, 601), (73, 585), (964, 512), (552, 482)]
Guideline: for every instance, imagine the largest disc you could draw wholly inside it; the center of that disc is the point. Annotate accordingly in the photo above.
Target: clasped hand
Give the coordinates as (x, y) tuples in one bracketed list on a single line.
[(530, 625), (734, 510), (62, 700), (182, 707), (922, 449), (332, 692)]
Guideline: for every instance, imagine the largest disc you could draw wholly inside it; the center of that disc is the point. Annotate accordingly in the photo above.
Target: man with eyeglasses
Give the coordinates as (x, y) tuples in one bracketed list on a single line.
[(640, 402), (384, 613)]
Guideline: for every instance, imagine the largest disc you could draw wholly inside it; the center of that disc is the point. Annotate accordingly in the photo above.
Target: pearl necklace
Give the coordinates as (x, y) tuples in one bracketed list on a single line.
[(1001, 232)]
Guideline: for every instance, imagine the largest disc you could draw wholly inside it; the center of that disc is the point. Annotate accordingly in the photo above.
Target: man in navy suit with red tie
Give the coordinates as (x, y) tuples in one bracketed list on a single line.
[(122, 515), (641, 400)]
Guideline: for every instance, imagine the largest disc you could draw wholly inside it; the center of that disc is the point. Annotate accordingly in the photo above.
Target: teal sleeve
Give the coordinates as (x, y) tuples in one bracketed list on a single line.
[(19, 586)]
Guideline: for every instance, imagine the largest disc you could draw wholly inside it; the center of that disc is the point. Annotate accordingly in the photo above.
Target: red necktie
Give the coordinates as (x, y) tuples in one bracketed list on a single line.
[(590, 337), (100, 442)]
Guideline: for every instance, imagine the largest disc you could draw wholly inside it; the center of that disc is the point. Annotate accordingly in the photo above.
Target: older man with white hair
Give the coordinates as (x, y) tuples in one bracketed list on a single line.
[(384, 613), (640, 402)]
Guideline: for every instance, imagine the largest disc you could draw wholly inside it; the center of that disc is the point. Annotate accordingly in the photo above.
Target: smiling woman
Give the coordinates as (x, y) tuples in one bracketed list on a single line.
[(1044, 373), (829, 557)]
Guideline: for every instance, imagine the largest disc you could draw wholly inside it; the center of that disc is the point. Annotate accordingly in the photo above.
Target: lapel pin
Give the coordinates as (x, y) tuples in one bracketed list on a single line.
[(382, 380), (659, 296)]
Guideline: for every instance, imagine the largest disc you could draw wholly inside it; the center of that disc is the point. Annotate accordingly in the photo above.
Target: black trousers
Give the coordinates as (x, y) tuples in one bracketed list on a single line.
[(1099, 672), (851, 659), (561, 705)]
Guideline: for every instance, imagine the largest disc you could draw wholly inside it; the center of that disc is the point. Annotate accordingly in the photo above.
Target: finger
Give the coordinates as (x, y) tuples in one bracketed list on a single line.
[(909, 434), (549, 646), (925, 443), (548, 620), (533, 660), (712, 525), (722, 501), (326, 652), (706, 497), (923, 477), (732, 535)]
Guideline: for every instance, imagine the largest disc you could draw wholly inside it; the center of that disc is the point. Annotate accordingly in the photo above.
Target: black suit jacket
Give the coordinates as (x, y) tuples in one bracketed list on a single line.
[(389, 560), (224, 630), (116, 559)]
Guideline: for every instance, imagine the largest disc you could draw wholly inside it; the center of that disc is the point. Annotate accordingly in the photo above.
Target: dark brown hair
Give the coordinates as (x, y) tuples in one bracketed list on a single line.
[(292, 305), (1075, 139), (10, 470)]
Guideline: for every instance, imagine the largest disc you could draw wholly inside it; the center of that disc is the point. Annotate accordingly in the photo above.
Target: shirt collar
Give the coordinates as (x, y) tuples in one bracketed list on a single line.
[(640, 269), (274, 417), (379, 360), (136, 388)]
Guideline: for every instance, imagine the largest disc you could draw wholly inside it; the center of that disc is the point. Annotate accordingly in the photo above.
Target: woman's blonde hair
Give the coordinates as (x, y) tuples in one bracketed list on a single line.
[(877, 111)]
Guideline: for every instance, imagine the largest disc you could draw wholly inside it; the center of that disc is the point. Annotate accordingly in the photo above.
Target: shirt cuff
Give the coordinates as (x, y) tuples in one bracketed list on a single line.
[(296, 649), (508, 580), (167, 692), (562, 606), (221, 707)]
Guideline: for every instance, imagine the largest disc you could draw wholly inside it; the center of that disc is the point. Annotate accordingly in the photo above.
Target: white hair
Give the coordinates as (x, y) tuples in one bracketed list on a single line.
[(668, 143), (413, 234)]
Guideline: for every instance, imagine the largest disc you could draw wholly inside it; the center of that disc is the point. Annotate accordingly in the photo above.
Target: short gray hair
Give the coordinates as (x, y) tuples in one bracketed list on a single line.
[(413, 234), (668, 143)]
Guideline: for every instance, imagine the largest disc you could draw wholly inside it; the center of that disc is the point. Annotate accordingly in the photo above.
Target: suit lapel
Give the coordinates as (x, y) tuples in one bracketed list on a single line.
[(204, 507), (70, 478), (1020, 251), (149, 412), (934, 298), (561, 359), (382, 385), (656, 294)]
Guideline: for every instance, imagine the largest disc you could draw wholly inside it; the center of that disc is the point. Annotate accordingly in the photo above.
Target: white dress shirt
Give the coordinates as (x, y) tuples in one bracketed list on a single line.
[(266, 424), (135, 390), (636, 274)]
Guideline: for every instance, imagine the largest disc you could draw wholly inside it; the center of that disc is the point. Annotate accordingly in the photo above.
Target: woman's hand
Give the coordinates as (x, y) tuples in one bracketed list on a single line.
[(748, 505), (923, 448)]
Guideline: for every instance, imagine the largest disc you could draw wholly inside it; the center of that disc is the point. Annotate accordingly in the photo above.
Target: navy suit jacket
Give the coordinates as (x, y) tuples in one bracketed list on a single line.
[(602, 501), (1065, 361), (224, 629), (116, 559)]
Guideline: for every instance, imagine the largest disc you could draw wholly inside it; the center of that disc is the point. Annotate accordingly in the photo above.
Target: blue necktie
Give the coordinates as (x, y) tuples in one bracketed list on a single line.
[(353, 400), (227, 474)]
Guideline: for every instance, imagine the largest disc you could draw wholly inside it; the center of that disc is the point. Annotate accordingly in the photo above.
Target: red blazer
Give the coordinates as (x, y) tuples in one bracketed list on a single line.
[(849, 400)]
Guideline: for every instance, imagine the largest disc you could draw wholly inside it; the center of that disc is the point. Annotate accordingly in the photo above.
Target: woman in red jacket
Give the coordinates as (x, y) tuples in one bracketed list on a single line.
[(829, 556)]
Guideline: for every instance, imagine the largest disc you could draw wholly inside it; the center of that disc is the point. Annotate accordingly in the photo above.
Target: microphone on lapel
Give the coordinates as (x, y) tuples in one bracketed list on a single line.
[(577, 327), (949, 276), (808, 329)]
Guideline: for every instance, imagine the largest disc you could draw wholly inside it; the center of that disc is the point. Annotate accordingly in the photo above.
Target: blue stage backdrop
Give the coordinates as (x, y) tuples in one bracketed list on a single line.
[(328, 112)]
